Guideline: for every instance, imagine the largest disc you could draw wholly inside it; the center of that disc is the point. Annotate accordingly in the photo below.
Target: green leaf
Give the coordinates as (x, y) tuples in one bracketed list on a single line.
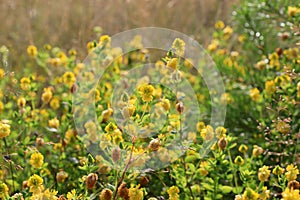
[(226, 189)]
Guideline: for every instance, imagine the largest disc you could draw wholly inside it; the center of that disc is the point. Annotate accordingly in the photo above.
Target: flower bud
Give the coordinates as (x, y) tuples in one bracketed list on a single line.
[(91, 180), (116, 154), (61, 176), (179, 107), (154, 144), (106, 194), (222, 143), (123, 191)]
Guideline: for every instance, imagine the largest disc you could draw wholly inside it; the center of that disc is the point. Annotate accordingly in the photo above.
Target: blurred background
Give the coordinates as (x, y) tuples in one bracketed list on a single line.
[(70, 23)]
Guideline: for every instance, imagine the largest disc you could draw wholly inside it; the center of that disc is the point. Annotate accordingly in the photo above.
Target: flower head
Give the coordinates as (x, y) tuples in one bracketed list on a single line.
[(37, 160)]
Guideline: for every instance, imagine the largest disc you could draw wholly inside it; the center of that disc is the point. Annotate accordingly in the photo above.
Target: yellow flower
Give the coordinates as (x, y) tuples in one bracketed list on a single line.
[(239, 160), (243, 148), (37, 160), (278, 170), (1, 106), (257, 151), (220, 132), (32, 51), (227, 32), (261, 64), (54, 103), (72, 52), (165, 103), (73, 196), (53, 123), (292, 11), (173, 63), (200, 126), (173, 193), (25, 83), (265, 194), (69, 78), (105, 41), (4, 130), (21, 102), (2, 73), (3, 191), (264, 173), (250, 194), (282, 127), (219, 25), (270, 87), (35, 183), (207, 133), (254, 94), (135, 193), (90, 46), (46, 195), (110, 128), (47, 95), (179, 46), (291, 172), (147, 92), (290, 194)]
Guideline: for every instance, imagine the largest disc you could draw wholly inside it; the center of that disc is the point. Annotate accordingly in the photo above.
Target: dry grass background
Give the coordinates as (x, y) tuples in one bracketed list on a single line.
[(69, 23)]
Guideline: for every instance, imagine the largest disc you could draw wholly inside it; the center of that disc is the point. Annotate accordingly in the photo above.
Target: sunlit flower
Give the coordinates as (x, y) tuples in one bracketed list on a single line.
[(146, 91), (36, 160), (179, 46), (53, 123), (173, 193), (69, 78), (254, 94), (291, 172), (264, 173), (290, 194), (32, 51), (173, 63), (25, 83), (35, 182), (3, 191), (250, 194), (4, 130), (135, 193), (219, 25)]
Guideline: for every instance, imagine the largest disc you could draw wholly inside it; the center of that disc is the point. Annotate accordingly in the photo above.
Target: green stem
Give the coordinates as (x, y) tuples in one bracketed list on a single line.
[(10, 165)]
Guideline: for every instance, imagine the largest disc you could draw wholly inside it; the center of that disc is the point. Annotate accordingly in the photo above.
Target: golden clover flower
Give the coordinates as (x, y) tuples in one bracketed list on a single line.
[(254, 94), (4, 130), (32, 51), (250, 194), (265, 194), (25, 83), (173, 63), (243, 148), (173, 193), (291, 172), (35, 182), (36, 160), (261, 64), (264, 173), (219, 25), (146, 91), (3, 191), (239, 160), (227, 31), (221, 132), (290, 194), (165, 103), (111, 127), (47, 95), (278, 170), (69, 78), (61, 176), (54, 103), (135, 193), (257, 150), (293, 11), (105, 41), (21, 102), (2, 73), (179, 46), (270, 87), (53, 123)]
